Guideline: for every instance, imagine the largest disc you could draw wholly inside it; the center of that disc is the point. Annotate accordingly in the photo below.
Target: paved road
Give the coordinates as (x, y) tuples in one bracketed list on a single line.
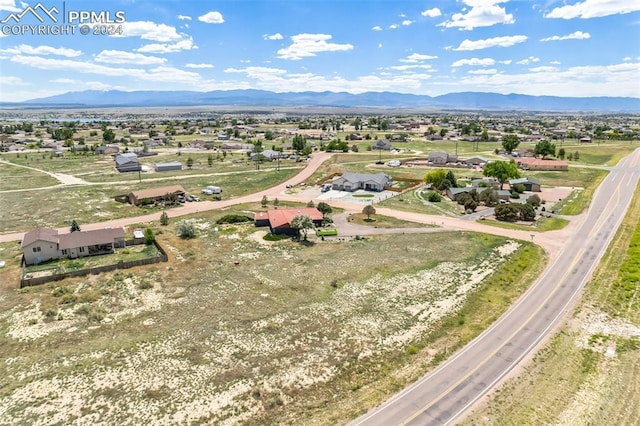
[(445, 394)]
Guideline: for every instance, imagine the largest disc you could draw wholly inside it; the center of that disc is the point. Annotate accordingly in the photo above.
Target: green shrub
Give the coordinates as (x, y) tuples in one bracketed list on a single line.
[(61, 291), (233, 218), (434, 197)]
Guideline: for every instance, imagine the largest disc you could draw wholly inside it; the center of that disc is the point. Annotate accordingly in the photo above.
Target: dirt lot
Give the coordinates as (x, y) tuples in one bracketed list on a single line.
[(234, 329)]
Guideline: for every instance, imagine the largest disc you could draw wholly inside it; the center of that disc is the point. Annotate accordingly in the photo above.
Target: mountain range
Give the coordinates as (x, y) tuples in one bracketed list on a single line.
[(239, 98)]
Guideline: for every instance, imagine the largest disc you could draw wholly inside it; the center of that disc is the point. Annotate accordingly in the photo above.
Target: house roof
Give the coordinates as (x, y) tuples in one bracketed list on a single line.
[(379, 178), (170, 164), (157, 192), (128, 157), (524, 180), (40, 234), (282, 217), (89, 238)]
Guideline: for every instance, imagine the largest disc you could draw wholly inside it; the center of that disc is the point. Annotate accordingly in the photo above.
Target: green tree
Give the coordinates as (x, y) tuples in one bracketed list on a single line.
[(185, 229), (502, 170), (149, 236), (369, 210), (544, 148), (489, 197), (510, 142), (438, 179), (452, 179), (74, 226), (264, 201), (189, 162), (299, 143), (561, 153), (534, 200), (507, 212), (324, 208), (276, 202), (210, 160), (311, 204), (527, 212), (108, 135), (302, 223), (164, 219)]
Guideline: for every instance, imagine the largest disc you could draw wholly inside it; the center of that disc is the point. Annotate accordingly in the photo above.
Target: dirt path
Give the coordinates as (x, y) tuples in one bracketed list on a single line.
[(61, 177)]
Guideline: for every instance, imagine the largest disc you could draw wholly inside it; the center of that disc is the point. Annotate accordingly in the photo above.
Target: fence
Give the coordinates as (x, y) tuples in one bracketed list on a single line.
[(25, 282)]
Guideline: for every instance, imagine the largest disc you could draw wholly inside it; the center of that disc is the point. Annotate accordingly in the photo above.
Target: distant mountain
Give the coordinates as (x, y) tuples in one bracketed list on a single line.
[(464, 100)]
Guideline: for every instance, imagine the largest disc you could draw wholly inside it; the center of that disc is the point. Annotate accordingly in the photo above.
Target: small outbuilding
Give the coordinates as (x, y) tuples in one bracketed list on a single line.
[(166, 167)]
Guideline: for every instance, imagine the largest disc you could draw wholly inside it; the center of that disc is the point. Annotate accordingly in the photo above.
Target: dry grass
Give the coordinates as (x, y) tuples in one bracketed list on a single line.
[(234, 329)]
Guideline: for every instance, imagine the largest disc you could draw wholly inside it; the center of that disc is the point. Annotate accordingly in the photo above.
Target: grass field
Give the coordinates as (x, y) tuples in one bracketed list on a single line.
[(238, 329), (590, 371)]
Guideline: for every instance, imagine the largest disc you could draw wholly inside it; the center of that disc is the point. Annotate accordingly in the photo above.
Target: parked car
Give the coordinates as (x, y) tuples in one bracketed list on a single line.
[(207, 192)]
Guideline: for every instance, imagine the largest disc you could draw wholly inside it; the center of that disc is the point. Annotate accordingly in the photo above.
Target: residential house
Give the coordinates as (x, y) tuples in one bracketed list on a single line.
[(540, 164), (381, 144), (128, 162), (453, 193), (279, 220), (585, 139), (165, 167), (530, 184), (477, 160), (156, 195), (370, 182), (43, 244), (442, 158), (107, 150)]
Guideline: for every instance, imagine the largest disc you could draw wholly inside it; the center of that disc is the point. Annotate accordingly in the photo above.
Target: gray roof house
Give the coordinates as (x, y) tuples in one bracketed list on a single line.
[(370, 182), (165, 167), (530, 184), (128, 162), (382, 144), (442, 158), (43, 244)]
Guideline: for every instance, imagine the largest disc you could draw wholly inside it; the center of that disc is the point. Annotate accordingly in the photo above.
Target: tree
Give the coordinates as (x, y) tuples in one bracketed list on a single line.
[(489, 197), (544, 148), (185, 229), (561, 153), (501, 170), (164, 219), (324, 208), (452, 179), (74, 226), (438, 179), (108, 135), (189, 162), (576, 156), (510, 142), (210, 160), (149, 236), (534, 200), (302, 223), (276, 202), (527, 212), (369, 210), (311, 204), (507, 212), (298, 143), (264, 201)]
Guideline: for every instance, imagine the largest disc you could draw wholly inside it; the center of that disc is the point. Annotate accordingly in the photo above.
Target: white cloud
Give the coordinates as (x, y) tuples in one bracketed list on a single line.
[(577, 35), (65, 81), (25, 49), (198, 66), (417, 57), (184, 17), (393, 26), (431, 13), (485, 71), (186, 44), (529, 60), (158, 74), (483, 13), (9, 5), (377, 28), (122, 57), (148, 30), (505, 41), (379, 45), (482, 62), (276, 36), (555, 62), (306, 45), (407, 22), (212, 17), (594, 9), (411, 67), (543, 69), (12, 81)]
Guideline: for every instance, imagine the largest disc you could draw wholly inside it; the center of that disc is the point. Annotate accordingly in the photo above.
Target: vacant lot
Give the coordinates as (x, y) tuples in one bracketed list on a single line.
[(236, 329)]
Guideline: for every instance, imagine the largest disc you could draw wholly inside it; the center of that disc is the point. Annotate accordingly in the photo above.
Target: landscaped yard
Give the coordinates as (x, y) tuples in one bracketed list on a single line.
[(238, 329)]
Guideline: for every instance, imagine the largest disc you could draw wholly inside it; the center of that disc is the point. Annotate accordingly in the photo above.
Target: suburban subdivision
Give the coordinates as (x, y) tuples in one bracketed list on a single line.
[(353, 267)]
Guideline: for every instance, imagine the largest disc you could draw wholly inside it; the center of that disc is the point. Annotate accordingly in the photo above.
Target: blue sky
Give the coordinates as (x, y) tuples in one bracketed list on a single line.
[(562, 48)]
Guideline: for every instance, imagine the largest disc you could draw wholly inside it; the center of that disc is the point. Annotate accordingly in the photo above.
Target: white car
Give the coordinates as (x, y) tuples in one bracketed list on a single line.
[(207, 192)]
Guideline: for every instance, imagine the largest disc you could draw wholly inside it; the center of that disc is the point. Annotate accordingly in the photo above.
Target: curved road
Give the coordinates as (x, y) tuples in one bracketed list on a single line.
[(443, 395)]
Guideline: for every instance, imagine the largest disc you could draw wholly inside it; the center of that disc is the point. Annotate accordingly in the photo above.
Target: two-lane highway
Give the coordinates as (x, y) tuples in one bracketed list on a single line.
[(445, 394)]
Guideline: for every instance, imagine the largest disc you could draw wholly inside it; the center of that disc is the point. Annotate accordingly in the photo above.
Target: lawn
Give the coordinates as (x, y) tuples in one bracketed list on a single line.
[(238, 329)]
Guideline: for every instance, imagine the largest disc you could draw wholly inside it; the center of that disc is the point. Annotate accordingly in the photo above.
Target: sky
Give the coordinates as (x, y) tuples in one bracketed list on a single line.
[(431, 47)]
